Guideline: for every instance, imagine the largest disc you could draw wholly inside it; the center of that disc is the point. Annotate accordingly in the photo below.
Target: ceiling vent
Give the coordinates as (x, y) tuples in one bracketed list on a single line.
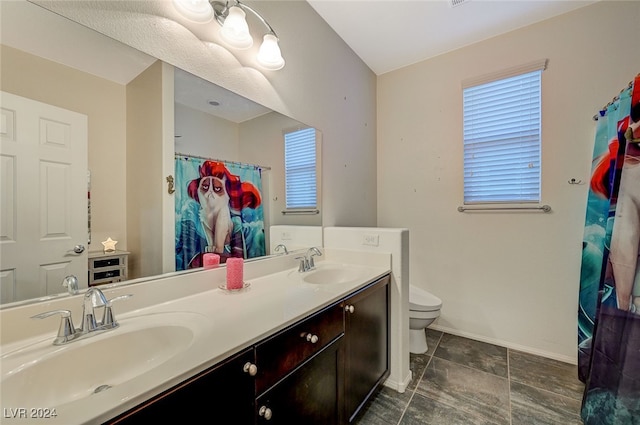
[(454, 3)]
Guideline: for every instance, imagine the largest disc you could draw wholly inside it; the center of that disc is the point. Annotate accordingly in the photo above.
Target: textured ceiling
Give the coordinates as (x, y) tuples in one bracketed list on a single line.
[(33, 29)]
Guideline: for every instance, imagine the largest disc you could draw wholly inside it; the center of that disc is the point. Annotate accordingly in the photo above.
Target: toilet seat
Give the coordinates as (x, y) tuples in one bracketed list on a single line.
[(421, 300)]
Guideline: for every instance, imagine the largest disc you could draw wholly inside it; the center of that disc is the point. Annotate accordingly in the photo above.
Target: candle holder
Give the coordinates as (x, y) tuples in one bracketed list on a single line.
[(245, 286)]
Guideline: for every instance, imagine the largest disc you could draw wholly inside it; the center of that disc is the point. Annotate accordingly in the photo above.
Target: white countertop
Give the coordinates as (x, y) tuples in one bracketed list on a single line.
[(226, 323)]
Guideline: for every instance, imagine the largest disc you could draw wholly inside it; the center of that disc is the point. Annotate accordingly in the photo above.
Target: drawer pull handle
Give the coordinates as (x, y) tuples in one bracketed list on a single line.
[(349, 309), (310, 337), (250, 368), (265, 412)]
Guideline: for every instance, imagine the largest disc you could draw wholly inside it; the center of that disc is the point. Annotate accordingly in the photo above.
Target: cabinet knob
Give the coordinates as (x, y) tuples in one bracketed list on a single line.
[(310, 337), (265, 412), (250, 368), (349, 309)]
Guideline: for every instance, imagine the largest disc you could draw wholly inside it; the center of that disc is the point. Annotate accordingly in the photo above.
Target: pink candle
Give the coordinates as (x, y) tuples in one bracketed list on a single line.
[(210, 260), (235, 273)]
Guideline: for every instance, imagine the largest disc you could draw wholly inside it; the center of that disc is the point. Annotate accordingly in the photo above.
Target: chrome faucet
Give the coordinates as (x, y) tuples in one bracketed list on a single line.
[(311, 252), (71, 283), (93, 299), (306, 262), (277, 248)]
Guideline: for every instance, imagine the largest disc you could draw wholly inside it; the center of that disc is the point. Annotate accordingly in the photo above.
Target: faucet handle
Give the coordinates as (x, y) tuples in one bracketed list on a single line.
[(110, 321), (118, 298), (66, 330)]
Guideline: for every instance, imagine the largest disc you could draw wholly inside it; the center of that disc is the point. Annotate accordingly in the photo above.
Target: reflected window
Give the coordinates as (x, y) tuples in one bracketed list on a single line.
[(300, 160)]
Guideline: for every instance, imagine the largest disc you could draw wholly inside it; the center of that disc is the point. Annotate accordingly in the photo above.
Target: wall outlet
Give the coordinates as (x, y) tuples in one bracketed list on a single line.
[(371, 239), (286, 236)]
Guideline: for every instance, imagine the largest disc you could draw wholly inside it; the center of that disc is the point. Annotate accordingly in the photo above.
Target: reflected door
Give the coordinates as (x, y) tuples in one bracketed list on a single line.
[(43, 210)]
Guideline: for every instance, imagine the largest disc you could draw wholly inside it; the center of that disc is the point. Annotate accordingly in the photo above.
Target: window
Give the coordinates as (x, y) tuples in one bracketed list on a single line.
[(300, 169), (502, 143)]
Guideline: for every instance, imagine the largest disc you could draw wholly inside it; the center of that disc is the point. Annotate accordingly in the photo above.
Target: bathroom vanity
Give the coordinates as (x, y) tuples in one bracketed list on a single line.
[(293, 347), (320, 370)]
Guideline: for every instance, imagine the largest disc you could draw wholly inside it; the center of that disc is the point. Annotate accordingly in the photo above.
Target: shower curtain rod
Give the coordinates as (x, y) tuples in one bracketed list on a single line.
[(242, 164), (545, 208), (614, 100)]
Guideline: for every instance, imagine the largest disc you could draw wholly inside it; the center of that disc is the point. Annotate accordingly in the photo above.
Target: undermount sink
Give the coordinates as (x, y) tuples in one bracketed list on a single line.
[(332, 273), (47, 375)]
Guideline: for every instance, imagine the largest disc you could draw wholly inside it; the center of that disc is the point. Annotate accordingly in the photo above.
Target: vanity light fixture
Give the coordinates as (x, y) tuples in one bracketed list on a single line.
[(199, 11), (231, 15)]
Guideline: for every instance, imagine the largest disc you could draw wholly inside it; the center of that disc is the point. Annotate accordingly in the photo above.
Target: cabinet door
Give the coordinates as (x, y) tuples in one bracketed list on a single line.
[(221, 395), (310, 395), (367, 344)]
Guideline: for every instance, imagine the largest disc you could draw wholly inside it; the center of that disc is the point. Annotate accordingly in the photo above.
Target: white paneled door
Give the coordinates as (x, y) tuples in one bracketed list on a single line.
[(43, 208)]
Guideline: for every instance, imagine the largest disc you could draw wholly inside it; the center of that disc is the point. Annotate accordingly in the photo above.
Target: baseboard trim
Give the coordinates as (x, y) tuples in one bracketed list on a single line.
[(506, 344), (400, 387)]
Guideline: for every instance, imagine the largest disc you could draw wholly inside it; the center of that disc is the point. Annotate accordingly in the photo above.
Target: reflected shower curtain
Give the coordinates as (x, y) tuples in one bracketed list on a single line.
[(218, 208), (609, 300)]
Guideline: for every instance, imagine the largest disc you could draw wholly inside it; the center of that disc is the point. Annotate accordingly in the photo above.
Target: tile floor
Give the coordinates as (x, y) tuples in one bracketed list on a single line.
[(460, 381)]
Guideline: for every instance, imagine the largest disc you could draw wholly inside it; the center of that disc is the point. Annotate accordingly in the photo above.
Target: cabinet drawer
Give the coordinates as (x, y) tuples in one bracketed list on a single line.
[(107, 262), (280, 354), (108, 274)]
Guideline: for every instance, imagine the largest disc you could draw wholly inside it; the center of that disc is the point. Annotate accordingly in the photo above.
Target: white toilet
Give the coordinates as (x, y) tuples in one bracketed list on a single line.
[(424, 308)]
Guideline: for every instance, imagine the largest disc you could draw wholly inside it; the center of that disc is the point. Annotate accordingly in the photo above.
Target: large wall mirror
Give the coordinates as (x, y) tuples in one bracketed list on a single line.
[(139, 112)]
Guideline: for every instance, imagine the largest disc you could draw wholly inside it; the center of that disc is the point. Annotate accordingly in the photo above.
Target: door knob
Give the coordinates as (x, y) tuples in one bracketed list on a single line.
[(78, 249)]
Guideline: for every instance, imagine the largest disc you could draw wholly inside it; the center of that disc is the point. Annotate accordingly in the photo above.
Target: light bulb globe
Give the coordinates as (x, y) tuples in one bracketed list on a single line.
[(269, 55), (195, 10), (235, 30)]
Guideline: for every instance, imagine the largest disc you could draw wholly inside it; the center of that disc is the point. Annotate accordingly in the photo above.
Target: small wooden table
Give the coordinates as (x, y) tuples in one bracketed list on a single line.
[(107, 267)]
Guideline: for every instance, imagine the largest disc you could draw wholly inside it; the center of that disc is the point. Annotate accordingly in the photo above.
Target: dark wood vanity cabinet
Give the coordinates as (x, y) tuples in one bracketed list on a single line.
[(283, 352), (311, 394), (319, 371), (223, 394), (299, 379), (366, 344)]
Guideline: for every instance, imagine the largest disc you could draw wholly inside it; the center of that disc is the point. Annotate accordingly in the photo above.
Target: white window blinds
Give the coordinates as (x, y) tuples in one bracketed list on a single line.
[(502, 143), (300, 168)]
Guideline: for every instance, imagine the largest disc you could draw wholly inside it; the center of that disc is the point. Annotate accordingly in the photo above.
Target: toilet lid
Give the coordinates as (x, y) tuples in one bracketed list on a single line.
[(422, 300)]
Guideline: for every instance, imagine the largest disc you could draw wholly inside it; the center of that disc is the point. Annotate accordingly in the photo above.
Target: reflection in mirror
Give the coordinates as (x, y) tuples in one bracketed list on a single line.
[(216, 133), (53, 61)]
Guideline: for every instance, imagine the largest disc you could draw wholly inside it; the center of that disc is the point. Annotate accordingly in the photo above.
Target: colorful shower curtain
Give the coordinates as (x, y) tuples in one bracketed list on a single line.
[(218, 208), (609, 299)]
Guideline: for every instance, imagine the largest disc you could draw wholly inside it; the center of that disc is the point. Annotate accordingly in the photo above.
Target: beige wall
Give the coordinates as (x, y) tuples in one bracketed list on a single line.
[(145, 174), (104, 103), (205, 135), (510, 278)]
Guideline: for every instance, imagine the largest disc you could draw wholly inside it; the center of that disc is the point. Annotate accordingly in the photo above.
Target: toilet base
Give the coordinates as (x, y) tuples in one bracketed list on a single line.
[(418, 341)]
